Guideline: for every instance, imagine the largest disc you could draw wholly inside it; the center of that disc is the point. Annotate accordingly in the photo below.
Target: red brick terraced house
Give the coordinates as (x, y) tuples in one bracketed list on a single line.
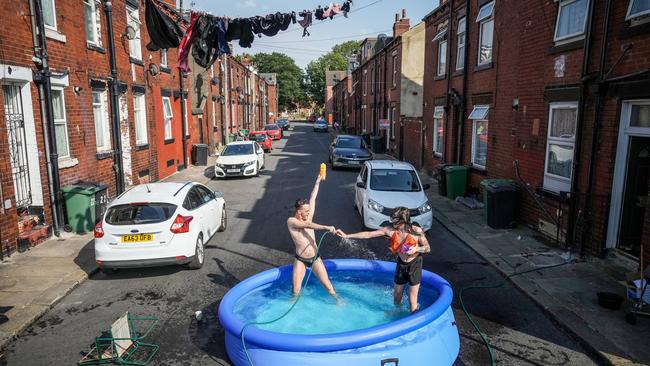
[(558, 91)]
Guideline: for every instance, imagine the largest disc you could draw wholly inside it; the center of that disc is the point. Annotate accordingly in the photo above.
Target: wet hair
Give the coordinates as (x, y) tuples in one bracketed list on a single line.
[(299, 203), (402, 216)]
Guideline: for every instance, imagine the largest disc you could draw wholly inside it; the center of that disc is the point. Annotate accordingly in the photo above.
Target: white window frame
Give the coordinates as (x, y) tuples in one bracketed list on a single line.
[(164, 58), (95, 23), (460, 46), (629, 14), (486, 15), (474, 123), (168, 119), (52, 27), (185, 121), (214, 113), (480, 111), (64, 122), (442, 58), (440, 35), (365, 79), (103, 124), (552, 182), (394, 71), (437, 121), (562, 4), (481, 24), (135, 45), (140, 118)]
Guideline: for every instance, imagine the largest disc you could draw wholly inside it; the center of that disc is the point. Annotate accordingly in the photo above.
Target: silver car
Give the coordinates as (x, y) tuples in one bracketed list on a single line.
[(320, 125), (349, 151)]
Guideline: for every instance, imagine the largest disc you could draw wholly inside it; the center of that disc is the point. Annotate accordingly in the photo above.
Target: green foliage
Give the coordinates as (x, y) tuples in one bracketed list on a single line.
[(291, 93), (335, 60)]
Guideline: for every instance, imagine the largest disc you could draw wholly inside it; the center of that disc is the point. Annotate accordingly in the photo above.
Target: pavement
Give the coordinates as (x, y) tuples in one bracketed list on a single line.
[(34, 281), (566, 293)]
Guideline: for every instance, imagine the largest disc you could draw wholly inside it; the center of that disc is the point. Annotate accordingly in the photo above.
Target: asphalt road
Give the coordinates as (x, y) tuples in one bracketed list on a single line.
[(256, 240)]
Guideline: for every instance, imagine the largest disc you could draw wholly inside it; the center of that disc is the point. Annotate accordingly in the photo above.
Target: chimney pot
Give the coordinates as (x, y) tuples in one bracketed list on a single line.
[(403, 13), (396, 17)]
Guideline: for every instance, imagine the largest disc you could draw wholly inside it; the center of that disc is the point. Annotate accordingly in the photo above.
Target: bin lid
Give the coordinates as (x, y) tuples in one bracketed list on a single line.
[(200, 145), (504, 187), (496, 182), (88, 189), (455, 168)]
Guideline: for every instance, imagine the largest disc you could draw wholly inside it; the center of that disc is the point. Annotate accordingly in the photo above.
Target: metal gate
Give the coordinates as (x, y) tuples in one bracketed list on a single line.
[(13, 105)]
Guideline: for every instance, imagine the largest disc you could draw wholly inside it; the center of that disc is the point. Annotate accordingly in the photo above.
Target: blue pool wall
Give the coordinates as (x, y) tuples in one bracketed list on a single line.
[(429, 337)]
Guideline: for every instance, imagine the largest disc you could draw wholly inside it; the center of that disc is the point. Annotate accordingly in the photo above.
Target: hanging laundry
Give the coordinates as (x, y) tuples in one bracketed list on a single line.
[(331, 11), (210, 41), (271, 24), (318, 13), (241, 29), (163, 31), (306, 21), (345, 9), (186, 42)]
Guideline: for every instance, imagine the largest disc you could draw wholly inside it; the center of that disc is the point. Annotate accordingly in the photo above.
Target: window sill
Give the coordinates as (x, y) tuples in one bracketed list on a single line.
[(165, 69), (482, 67), (67, 162), (459, 72), (136, 61), (101, 155), (565, 46), (55, 35), (635, 27), (440, 77), (95, 48), (437, 155), (140, 147), (548, 194), (169, 141), (478, 169)]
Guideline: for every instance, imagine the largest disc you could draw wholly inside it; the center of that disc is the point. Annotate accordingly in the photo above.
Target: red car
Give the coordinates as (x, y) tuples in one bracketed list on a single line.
[(262, 139), (274, 131), (312, 118)]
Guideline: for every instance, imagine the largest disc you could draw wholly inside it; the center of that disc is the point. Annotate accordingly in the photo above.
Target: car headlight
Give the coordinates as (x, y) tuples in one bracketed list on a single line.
[(249, 163), (222, 166), (426, 207), (375, 206)]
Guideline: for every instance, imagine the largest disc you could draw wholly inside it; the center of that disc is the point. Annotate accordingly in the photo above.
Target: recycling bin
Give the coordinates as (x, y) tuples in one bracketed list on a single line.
[(441, 177), (501, 204), (200, 154), (378, 144), (493, 182), (85, 205), (456, 180)]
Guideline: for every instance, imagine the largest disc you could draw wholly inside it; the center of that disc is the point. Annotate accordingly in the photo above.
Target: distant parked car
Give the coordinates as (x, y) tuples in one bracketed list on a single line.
[(284, 124), (240, 158), (348, 151), (320, 125), (159, 224), (262, 139), (312, 119), (383, 185), (274, 131)]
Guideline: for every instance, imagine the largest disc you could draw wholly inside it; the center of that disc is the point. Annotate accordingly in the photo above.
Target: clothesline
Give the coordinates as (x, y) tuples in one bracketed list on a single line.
[(208, 36)]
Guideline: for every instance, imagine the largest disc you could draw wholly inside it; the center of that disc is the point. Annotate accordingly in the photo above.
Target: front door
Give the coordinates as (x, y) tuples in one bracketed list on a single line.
[(15, 119), (636, 196)]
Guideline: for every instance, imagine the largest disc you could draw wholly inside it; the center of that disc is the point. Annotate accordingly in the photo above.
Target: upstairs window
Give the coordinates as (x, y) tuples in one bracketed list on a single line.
[(460, 48), (133, 20), (571, 19), (163, 59), (49, 13), (442, 58), (485, 19), (394, 71), (638, 8), (93, 25)]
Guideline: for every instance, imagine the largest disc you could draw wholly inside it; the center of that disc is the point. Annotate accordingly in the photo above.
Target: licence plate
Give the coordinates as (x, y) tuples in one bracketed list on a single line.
[(232, 171), (354, 162), (137, 238)]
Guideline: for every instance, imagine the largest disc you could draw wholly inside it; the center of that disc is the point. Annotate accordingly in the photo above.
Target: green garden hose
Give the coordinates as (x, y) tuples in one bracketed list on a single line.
[(286, 312), (469, 317)]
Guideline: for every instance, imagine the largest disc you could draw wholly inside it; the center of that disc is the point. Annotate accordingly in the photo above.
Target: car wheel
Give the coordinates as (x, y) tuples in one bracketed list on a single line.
[(224, 220), (199, 254), (108, 271), (257, 170)]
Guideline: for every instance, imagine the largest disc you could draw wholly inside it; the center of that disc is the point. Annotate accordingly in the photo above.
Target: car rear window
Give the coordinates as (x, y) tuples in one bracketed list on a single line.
[(258, 137), (394, 180), (349, 143), (270, 127), (145, 213)]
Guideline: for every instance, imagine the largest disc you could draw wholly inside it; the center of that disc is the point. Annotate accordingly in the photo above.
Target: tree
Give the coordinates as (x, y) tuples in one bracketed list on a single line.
[(335, 60), (290, 77)]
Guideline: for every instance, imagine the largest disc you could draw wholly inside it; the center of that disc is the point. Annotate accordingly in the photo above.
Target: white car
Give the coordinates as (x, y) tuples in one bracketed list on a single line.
[(159, 224), (240, 158), (320, 125), (383, 185)]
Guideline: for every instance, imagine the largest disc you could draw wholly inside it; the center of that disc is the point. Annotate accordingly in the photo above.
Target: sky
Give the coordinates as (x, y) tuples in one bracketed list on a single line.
[(371, 18)]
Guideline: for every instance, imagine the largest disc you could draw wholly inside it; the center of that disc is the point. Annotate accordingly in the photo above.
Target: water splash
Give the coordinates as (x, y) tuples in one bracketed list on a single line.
[(357, 248)]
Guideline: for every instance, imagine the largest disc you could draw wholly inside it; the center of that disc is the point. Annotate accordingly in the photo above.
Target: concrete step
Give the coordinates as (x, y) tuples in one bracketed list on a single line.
[(33, 237)]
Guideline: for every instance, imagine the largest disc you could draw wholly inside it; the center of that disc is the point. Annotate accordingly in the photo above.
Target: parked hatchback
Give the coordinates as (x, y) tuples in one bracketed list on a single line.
[(159, 224), (274, 131), (320, 125), (262, 139), (348, 151), (383, 185), (240, 158)]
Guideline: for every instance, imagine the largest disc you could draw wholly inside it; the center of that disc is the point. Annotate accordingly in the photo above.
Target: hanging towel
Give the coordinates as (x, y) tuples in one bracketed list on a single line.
[(271, 24), (163, 31), (241, 29), (186, 42)]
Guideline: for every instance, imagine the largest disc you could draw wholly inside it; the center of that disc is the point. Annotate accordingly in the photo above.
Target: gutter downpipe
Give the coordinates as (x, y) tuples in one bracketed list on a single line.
[(449, 48), (463, 103), (115, 108), (45, 92), (222, 99), (181, 81), (579, 123), (594, 140)]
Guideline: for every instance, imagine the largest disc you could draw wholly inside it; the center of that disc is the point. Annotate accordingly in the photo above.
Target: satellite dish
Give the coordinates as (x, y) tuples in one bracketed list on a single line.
[(130, 32), (154, 70)]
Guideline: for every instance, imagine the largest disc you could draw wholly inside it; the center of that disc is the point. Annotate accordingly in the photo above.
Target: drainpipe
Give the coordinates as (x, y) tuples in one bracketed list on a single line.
[(460, 135), (449, 91), (594, 140), (222, 98), (45, 94), (181, 78), (115, 108), (581, 117)]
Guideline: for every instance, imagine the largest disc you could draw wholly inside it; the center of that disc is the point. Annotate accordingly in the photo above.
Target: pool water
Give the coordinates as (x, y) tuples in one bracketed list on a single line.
[(366, 301)]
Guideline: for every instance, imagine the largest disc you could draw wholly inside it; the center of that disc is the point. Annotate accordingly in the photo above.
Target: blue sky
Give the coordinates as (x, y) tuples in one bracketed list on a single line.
[(377, 16)]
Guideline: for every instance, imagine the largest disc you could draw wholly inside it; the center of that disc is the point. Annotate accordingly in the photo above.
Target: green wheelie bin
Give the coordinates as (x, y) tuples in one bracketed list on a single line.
[(456, 179), (85, 204)]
